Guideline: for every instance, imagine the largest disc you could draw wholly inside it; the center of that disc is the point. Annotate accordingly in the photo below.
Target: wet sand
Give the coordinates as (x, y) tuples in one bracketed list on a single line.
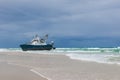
[(13, 72), (53, 67)]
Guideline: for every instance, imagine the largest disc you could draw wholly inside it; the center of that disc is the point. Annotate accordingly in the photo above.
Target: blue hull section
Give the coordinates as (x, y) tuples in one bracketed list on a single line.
[(26, 47)]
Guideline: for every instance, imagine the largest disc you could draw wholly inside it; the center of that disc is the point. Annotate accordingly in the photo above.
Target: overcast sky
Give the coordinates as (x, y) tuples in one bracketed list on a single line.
[(22, 19)]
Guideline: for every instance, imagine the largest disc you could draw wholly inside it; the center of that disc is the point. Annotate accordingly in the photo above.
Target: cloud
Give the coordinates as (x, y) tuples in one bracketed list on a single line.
[(59, 18)]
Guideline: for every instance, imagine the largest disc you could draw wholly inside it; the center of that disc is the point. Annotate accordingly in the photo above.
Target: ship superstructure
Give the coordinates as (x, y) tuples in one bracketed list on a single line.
[(38, 43)]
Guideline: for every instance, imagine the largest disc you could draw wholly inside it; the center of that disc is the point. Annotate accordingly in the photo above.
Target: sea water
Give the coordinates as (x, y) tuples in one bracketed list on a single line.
[(101, 55)]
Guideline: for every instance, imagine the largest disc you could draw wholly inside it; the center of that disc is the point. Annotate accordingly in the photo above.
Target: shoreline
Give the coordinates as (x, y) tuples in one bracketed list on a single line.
[(53, 67)]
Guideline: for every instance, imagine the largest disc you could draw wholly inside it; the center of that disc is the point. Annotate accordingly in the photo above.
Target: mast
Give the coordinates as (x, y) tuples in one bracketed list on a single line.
[(36, 40)]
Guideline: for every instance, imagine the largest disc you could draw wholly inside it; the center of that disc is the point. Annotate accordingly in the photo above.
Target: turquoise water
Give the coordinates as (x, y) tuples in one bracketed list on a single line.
[(101, 55), (115, 50)]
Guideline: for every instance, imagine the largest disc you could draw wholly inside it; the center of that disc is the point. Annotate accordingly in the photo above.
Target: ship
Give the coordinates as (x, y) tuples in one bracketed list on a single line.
[(38, 43)]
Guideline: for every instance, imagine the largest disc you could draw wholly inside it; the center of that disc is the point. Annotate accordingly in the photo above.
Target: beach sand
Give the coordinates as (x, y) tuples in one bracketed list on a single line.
[(28, 66)]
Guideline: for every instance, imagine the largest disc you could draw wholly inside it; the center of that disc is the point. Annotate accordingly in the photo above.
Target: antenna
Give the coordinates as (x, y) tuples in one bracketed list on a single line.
[(46, 37)]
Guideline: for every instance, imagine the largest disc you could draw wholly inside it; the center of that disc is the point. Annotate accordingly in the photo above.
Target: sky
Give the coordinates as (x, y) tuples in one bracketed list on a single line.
[(70, 23)]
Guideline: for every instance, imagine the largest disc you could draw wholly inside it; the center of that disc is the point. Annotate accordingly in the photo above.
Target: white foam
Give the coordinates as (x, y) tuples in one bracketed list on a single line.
[(3, 50), (10, 50), (86, 57), (100, 58)]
